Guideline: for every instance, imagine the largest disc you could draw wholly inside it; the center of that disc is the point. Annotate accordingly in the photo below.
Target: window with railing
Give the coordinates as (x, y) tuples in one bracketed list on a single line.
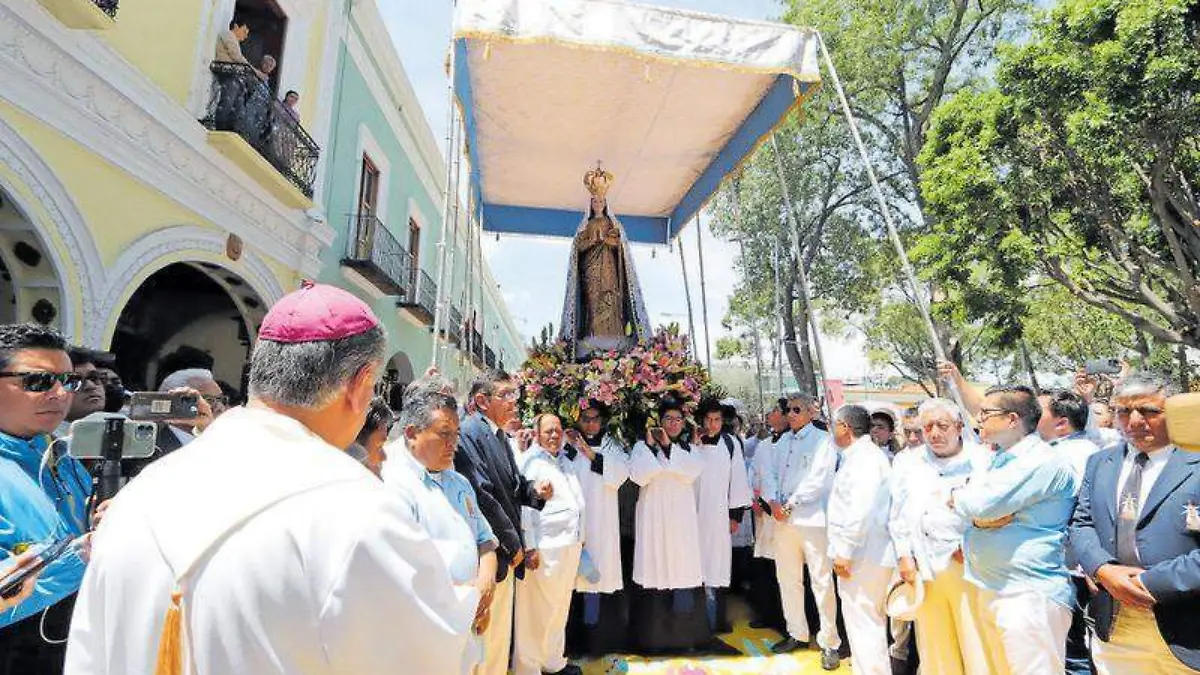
[(378, 255), (242, 102)]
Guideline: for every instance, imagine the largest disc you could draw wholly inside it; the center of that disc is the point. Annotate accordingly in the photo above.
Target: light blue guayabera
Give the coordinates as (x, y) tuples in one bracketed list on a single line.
[(43, 499), (1036, 486)]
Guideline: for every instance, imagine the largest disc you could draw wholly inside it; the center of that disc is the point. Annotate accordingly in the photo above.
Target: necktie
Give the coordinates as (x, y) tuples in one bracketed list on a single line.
[(1127, 512)]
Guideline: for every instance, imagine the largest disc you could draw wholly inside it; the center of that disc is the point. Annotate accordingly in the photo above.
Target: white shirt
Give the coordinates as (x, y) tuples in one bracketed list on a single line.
[(300, 562), (1150, 472), (560, 522), (859, 506), (802, 475), (1077, 448)]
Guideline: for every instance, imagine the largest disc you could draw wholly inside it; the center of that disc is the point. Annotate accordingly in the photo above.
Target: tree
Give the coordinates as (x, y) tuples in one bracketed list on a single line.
[(1081, 167)]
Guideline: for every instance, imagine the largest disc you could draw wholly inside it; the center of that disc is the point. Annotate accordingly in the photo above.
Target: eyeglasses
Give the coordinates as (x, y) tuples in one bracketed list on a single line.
[(988, 413), (217, 401), (1146, 411), (41, 382), (672, 418), (510, 396), (799, 410)]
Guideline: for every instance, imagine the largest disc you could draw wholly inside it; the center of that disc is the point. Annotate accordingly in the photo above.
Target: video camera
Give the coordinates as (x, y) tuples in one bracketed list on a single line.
[(110, 438)]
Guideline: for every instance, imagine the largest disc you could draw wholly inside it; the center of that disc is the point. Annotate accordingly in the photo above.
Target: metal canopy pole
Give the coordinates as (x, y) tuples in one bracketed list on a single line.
[(449, 203), (758, 362), (893, 233), (703, 294), (794, 228), (687, 292)]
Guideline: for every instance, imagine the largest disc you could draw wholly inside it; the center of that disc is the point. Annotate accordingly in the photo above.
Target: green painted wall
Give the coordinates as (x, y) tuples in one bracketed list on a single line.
[(355, 109)]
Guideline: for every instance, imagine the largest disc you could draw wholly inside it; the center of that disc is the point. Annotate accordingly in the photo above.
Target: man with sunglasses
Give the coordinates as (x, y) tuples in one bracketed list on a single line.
[(90, 397), (44, 492), (1136, 533), (798, 487), (1015, 547)]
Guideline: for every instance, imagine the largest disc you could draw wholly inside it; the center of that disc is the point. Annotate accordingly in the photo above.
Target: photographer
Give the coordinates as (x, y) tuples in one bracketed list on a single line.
[(45, 492)]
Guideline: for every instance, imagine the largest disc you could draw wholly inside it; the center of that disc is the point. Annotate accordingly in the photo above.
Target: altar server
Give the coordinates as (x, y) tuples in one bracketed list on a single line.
[(600, 613), (927, 536), (722, 495), (554, 542), (859, 544), (262, 547), (1015, 546), (799, 486), (441, 500), (669, 613)]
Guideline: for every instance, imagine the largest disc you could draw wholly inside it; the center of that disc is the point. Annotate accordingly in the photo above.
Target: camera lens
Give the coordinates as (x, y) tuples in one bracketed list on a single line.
[(144, 432)]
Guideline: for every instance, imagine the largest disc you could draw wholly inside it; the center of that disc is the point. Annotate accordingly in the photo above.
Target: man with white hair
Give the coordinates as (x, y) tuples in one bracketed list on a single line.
[(928, 535), (175, 435), (262, 547)]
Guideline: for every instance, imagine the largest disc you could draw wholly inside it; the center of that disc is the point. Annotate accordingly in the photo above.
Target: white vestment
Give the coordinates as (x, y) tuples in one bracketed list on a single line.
[(764, 524), (290, 556), (667, 551), (601, 524), (722, 486)]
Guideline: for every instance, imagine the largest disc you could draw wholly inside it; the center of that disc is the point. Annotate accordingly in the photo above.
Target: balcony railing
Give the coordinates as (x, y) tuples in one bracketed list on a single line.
[(422, 300), (454, 325), (489, 357), (242, 103), (376, 254), (109, 7), (477, 346)]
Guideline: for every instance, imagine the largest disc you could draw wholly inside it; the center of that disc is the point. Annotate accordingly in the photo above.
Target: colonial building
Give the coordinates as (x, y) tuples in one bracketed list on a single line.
[(385, 177), (159, 188)]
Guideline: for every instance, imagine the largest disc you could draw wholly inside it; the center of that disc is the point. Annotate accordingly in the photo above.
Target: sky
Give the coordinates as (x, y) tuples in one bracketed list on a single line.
[(532, 272)]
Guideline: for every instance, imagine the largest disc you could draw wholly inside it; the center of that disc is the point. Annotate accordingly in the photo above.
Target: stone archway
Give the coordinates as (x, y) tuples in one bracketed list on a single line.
[(397, 374), (31, 289), (193, 314)]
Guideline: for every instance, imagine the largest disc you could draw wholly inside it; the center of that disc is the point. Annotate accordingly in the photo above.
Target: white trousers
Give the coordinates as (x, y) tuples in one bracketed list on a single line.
[(1135, 647), (795, 548), (1024, 633), (863, 597), (543, 602), (498, 636), (948, 636)]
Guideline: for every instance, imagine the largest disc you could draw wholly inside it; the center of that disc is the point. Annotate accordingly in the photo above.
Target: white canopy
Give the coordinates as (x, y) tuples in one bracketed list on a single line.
[(671, 102)]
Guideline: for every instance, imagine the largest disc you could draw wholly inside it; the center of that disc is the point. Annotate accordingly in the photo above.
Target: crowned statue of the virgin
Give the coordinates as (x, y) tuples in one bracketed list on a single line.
[(603, 309)]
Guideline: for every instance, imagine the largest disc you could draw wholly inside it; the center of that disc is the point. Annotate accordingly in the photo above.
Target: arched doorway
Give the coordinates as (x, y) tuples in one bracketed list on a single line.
[(397, 375), (188, 315), (30, 288)]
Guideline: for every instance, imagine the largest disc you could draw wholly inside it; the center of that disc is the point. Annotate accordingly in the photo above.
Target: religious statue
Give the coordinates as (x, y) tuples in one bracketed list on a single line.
[(603, 308)]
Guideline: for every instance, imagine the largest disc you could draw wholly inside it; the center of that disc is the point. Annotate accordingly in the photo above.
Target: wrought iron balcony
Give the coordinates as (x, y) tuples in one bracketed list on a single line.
[(489, 357), (241, 103), (477, 346), (421, 300), (109, 7), (376, 254), (454, 325)]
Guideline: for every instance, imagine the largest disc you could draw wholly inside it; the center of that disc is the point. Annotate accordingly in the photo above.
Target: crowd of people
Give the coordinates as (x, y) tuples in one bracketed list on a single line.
[(314, 530)]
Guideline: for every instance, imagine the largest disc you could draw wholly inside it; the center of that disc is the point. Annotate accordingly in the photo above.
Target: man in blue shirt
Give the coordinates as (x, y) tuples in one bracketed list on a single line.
[(45, 492), (1015, 548)]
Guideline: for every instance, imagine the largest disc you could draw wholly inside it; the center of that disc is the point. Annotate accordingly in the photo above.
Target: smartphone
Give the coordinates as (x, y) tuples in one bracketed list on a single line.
[(12, 585), (87, 437), (659, 434), (153, 406), (1103, 367)]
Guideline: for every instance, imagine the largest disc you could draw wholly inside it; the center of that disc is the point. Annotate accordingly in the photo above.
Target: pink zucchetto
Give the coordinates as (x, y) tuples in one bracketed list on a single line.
[(317, 313)]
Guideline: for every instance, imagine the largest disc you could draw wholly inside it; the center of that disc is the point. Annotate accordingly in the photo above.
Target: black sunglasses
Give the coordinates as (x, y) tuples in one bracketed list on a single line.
[(798, 410), (41, 382)]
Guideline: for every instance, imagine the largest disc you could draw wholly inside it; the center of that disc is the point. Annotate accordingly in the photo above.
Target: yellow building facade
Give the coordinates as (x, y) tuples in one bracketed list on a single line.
[(128, 217)]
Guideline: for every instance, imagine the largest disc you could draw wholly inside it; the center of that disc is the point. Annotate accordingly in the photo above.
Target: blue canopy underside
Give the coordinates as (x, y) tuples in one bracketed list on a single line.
[(536, 221)]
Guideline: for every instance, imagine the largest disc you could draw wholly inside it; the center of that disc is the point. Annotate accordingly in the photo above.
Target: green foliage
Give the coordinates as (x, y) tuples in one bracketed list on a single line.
[(1081, 166)]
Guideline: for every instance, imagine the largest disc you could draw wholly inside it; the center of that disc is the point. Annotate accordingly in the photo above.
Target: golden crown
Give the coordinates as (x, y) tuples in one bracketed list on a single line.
[(598, 181)]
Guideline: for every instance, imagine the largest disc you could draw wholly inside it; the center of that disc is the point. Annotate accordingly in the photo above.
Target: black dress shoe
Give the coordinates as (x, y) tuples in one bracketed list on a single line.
[(830, 660), (723, 629), (758, 623), (570, 669), (720, 648), (788, 646)]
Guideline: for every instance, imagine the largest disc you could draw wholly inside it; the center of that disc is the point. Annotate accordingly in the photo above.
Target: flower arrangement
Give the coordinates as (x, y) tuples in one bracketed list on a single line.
[(630, 384)]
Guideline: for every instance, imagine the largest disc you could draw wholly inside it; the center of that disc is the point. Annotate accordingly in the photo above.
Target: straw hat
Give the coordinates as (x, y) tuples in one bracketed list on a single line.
[(904, 598)]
